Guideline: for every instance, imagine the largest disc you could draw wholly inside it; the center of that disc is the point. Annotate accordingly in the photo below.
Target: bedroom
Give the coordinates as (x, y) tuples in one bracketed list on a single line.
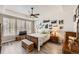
[(39, 24)]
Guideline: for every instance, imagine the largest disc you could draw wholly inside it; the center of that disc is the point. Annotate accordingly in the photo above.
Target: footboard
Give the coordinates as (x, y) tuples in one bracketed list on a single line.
[(33, 39)]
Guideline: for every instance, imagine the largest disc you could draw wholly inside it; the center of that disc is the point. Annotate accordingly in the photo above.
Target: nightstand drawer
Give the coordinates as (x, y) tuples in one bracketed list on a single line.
[(54, 39)]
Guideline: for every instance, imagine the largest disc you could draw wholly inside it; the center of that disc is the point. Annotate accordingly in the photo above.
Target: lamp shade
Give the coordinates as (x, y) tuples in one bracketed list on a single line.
[(55, 30)]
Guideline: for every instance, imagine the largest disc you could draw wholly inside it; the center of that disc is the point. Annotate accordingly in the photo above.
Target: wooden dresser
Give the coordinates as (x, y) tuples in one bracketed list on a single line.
[(74, 46)]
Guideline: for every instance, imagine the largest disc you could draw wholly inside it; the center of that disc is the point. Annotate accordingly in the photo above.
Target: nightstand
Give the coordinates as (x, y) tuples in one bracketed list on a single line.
[(54, 39)]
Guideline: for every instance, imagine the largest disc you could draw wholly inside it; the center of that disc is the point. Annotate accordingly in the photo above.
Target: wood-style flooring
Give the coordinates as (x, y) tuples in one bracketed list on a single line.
[(16, 48)]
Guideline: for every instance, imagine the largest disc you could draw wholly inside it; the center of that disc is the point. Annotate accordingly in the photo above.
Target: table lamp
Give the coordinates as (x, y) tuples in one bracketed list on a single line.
[(55, 30)]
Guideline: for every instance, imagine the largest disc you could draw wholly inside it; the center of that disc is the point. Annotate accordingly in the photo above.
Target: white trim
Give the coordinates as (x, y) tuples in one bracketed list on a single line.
[(17, 15)]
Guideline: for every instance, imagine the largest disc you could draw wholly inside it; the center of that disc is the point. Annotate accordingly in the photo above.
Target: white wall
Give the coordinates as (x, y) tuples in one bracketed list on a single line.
[(17, 8), (68, 17), (75, 23), (48, 12), (20, 11), (58, 12), (51, 12)]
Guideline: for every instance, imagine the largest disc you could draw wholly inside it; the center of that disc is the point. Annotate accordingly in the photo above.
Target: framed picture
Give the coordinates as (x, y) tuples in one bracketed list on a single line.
[(46, 26), (77, 11), (54, 21), (61, 27), (61, 21), (50, 26), (46, 21)]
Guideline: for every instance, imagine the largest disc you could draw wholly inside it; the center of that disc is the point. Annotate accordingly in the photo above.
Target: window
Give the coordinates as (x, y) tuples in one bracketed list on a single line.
[(5, 26), (12, 26), (8, 26), (23, 28), (28, 26), (20, 25)]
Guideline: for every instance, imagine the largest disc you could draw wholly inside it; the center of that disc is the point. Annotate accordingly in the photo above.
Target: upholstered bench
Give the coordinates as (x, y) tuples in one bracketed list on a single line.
[(28, 45)]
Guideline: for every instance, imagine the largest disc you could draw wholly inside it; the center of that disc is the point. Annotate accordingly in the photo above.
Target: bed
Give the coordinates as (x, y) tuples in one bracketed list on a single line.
[(39, 39)]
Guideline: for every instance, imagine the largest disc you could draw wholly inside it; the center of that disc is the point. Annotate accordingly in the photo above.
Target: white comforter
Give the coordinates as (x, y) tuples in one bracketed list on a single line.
[(41, 38)]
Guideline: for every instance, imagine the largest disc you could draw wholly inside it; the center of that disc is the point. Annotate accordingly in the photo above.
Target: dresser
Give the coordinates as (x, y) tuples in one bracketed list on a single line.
[(66, 49)]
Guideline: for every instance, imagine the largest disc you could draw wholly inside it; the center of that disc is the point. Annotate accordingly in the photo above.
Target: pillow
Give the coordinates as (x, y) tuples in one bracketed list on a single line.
[(44, 31)]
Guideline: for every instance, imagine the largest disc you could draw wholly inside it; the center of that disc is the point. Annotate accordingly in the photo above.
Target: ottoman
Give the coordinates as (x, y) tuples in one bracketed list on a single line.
[(27, 45)]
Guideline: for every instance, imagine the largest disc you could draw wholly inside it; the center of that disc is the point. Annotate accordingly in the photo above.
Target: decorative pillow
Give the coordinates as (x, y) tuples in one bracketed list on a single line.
[(44, 32)]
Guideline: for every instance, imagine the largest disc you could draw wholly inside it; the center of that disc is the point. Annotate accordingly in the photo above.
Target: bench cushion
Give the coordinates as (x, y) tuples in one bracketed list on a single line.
[(27, 41)]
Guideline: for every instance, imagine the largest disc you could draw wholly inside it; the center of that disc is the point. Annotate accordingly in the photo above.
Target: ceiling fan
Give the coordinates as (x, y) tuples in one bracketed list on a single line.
[(32, 13)]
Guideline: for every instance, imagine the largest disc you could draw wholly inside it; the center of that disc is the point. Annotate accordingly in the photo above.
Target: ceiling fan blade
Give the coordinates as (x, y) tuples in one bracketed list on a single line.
[(35, 16), (32, 15)]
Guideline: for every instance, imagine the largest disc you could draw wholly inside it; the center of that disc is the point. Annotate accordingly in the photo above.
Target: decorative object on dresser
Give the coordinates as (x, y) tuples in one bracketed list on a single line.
[(22, 35), (71, 41), (73, 44), (28, 45)]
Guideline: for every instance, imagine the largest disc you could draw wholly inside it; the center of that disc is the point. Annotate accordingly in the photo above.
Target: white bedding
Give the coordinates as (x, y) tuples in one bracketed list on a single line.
[(41, 38)]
